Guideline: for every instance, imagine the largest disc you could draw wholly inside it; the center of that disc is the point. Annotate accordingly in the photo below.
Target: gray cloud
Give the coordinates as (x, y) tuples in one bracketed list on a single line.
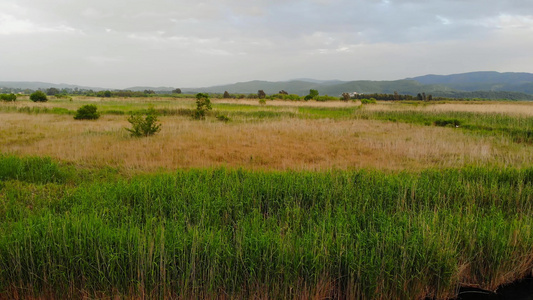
[(187, 43)]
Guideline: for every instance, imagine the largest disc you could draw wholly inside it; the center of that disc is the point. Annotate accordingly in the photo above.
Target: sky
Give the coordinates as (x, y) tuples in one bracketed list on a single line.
[(182, 43)]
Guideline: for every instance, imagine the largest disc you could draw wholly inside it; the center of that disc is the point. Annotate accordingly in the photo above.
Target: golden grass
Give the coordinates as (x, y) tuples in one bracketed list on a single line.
[(288, 143), (510, 108)]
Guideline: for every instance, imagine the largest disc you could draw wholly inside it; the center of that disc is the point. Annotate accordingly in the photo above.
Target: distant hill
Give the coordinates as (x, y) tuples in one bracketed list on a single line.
[(482, 81), (332, 88), (34, 85), (490, 85), (155, 89)]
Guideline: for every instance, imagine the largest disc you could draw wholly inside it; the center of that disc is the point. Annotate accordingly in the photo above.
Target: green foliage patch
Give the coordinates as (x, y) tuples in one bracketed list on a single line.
[(87, 112), (236, 233)]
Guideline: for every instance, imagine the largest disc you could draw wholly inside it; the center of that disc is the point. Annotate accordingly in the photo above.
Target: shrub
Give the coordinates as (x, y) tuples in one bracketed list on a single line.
[(8, 97), (223, 118), (203, 105), (144, 126), (38, 96), (87, 112), (325, 98), (368, 101), (226, 95), (313, 94), (262, 101), (261, 94)]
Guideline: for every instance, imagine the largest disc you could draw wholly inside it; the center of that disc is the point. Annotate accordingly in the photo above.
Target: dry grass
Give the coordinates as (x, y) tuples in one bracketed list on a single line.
[(281, 144), (511, 108)]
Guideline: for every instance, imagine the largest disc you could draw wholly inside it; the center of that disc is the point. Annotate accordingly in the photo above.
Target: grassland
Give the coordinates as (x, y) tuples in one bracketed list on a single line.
[(287, 200)]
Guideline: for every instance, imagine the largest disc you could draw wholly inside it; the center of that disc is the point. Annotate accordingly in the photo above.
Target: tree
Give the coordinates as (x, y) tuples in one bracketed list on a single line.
[(226, 95), (203, 104), (176, 91), (345, 97), (144, 126), (38, 96), (261, 94), (87, 112), (52, 91), (312, 95), (8, 97), (283, 92)]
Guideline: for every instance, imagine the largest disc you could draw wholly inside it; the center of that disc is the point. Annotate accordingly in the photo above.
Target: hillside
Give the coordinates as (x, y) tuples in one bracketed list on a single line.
[(490, 85), (482, 81)]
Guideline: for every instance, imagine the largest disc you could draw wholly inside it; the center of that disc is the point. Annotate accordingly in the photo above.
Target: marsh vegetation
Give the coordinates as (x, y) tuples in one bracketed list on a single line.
[(284, 200)]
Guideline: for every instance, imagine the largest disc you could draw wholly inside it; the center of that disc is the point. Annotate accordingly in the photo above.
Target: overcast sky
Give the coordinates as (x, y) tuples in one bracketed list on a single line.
[(182, 43)]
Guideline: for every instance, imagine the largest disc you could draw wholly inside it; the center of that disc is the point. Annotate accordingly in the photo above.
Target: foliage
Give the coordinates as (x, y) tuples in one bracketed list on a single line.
[(226, 95), (325, 98), (234, 233), (87, 112), (203, 105), (52, 91), (144, 126), (223, 118), (176, 91), (345, 97), (38, 96), (368, 101), (313, 94), (8, 97), (262, 101), (261, 94)]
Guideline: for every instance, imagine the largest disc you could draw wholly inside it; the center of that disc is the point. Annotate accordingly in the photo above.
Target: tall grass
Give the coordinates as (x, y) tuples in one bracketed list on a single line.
[(234, 233), (517, 128)]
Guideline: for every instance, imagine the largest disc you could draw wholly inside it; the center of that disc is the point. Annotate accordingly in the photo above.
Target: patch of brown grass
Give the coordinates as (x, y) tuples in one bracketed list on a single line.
[(281, 144)]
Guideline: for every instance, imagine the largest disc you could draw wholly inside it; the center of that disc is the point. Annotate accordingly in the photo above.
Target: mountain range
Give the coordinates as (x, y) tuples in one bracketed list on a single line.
[(465, 85)]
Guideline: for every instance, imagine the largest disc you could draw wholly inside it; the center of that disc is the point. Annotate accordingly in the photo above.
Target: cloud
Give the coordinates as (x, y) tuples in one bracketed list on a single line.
[(238, 40)]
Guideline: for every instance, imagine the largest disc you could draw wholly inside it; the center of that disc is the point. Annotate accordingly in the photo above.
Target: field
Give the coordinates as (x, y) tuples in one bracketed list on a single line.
[(285, 200)]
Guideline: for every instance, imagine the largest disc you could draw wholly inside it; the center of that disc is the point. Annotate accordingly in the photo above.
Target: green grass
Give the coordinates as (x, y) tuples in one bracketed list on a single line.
[(367, 234), (517, 128)]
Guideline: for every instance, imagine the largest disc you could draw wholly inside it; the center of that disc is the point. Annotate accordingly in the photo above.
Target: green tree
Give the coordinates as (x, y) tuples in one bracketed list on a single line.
[(38, 96), (52, 91), (312, 95), (203, 105), (87, 112), (8, 97), (261, 94), (226, 95), (144, 126), (176, 91)]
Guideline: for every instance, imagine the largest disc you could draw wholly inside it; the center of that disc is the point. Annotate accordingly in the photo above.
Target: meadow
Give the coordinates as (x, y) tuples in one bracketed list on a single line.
[(285, 200)]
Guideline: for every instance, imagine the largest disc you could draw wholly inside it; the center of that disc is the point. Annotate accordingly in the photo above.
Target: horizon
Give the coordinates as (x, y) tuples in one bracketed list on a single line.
[(84, 86)]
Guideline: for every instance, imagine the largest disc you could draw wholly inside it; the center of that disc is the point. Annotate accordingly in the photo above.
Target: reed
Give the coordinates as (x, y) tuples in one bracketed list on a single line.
[(239, 234)]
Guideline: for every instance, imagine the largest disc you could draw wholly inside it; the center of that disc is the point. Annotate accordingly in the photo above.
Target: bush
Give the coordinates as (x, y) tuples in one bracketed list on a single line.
[(223, 118), (203, 105), (144, 126), (38, 96), (8, 97), (368, 101), (87, 112)]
